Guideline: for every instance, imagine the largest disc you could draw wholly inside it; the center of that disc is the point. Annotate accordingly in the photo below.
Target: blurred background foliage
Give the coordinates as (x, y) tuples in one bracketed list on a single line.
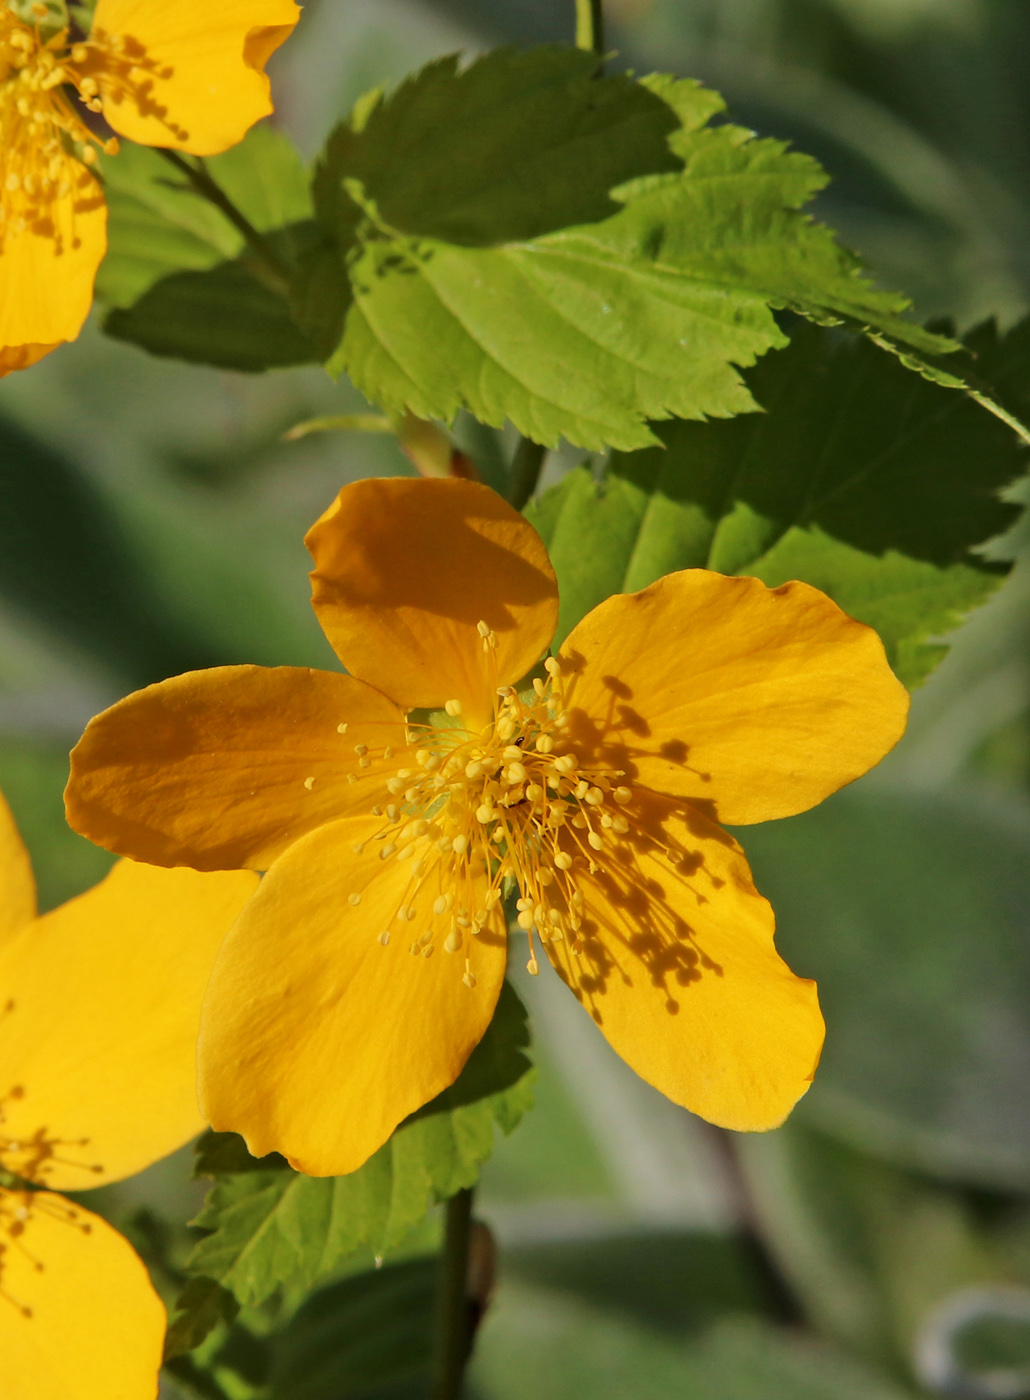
[(151, 520)]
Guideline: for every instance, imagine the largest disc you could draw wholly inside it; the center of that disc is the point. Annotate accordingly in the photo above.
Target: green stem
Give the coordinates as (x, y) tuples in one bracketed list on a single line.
[(590, 25), (526, 467), (452, 1342), (199, 179)]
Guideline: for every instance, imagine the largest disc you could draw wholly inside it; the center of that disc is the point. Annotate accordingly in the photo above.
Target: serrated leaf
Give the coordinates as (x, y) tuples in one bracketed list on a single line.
[(366, 1332), (869, 482), (516, 306), (271, 1225)]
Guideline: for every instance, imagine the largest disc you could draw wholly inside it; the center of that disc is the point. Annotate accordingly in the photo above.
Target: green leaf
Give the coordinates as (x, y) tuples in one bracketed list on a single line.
[(157, 225), (201, 1307), (861, 478), (225, 317), (363, 1334), (271, 1225), (499, 288), (178, 274), (909, 911)]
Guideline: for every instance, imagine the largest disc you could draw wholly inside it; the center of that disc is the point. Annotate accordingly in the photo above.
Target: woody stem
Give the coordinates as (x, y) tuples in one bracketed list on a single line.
[(203, 184), (452, 1331)]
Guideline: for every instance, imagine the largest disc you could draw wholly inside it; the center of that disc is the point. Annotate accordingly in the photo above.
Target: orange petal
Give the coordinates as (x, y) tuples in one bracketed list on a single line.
[(316, 1040), (757, 702), (17, 884), (187, 73), (15, 357), (405, 570), (677, 967), (225, 768), (99, 1030), (47, 266), (79, 1318)]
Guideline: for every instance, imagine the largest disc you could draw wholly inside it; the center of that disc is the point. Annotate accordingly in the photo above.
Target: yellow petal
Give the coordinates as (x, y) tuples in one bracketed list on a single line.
[(79, 1318), (677, 967), (187, 73), (316, 1040), (47, 267), (17, 884), (404, 572), (225, 768), (99, 1028), (757, 702)]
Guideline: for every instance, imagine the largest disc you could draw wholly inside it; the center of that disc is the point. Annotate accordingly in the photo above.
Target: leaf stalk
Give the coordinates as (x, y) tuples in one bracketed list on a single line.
[(590, 26), (208, 188)]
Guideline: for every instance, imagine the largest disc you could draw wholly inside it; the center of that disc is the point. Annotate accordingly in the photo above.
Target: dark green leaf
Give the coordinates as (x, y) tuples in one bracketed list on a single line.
[(861, 478), (368, 1333), (514, 296), (910, 912), (271, 1225), (200, 1308), (518, 144), (225, 317)]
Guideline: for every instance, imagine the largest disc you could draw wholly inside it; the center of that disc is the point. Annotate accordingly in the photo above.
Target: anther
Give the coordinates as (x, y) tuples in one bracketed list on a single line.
[(595, 840), (458, 845), (384, 937), (309, 783), (539, 687), (354, 899), (453, 707), (483, 629), (342, 728), (453, 942), (514, 774), (622, 795), (442, 904), (544, 743), (552, 667), (525, 919), (387, 851), (533, 967)]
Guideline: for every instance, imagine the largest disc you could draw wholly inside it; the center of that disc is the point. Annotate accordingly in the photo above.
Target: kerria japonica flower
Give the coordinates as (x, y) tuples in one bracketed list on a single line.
[(176, 73), (99, 1012), (394, 808)]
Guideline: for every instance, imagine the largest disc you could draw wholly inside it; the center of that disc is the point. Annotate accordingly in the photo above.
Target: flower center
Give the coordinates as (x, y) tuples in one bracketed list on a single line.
[(476, 816), (47, 145)]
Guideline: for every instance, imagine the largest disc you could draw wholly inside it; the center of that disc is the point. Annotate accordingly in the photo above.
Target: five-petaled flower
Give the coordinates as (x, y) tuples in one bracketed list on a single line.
[(99, 1011), (393, 807), (177, 73)]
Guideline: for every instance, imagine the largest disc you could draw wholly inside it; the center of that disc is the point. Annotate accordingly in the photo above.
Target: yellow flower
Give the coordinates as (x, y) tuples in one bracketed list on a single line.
[(367, 966), (99, 1010), (179, 73)]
